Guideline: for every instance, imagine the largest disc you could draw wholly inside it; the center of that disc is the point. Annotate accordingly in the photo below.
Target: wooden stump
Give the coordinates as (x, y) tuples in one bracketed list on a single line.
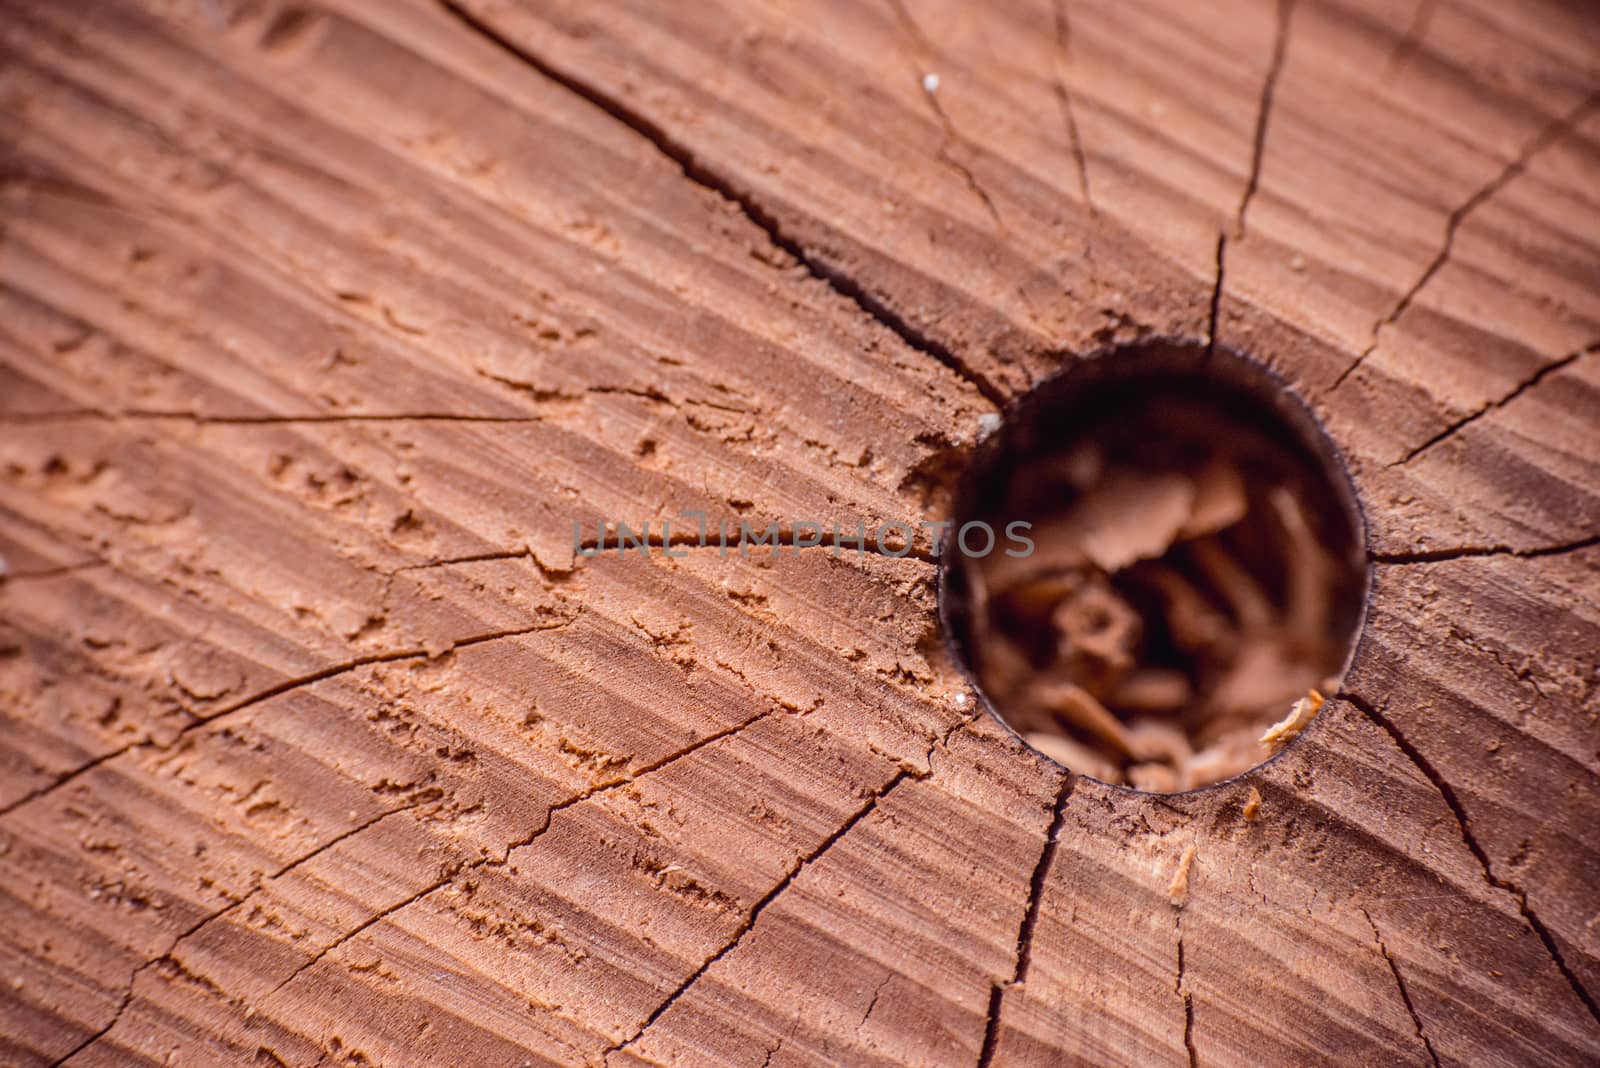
[(322, 325)]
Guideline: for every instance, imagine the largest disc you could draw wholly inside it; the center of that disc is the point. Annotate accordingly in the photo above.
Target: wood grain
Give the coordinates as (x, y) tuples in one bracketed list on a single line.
[(323, 323)]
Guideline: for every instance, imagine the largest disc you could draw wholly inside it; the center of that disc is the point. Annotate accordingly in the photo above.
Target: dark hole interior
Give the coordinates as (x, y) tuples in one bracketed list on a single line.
[(1198, 571)]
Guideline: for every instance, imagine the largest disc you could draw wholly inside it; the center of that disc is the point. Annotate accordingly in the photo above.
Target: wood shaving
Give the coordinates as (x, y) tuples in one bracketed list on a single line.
[(1289, 727), (1252, 806), (1308, 579), (1178, 889), (1193, 622), (1247, 604), (1080, 758), (1079, 708), (1130, 516), (1152, 690), (1219, 502)]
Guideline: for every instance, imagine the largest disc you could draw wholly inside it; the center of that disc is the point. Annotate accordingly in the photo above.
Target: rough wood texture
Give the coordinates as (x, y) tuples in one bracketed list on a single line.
[(321, 323)]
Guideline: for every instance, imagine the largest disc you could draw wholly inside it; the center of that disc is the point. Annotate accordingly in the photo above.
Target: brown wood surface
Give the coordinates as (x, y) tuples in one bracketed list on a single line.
[(322, 323)]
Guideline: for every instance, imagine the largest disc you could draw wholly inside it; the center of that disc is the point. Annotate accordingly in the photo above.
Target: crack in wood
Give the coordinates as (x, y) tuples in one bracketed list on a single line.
[(470, 558), (276, 690), (1405, 995), (291, 684), (772, 1052), (202, 419), (1180, 985), (1269, 86), (382, 914), (749, 922), (1549, 135), (312, 418), (1216, 296), (127, 997), (287, 868), (1041, 873), (703, 175), (1023, 955), (966, 174), (336, 839), (1453, 803), (527, 840), (1025, 943), (1280, 46), (872, 1004), (1473, 552), (924, 46), (1495, 405), (1062, 64)]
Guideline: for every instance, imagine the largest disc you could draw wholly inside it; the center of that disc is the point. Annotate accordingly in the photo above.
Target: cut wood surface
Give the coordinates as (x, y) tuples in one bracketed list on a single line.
[(321, 324)]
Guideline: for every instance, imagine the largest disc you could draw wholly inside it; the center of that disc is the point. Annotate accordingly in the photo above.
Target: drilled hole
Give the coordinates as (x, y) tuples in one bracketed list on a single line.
[(1197, 572)]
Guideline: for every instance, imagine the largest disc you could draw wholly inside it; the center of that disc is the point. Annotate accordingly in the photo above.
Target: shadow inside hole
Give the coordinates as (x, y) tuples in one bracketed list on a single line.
[(1198, 571)]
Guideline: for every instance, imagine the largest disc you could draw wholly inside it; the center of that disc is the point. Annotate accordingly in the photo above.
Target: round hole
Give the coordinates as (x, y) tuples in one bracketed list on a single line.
[(1197, 574)]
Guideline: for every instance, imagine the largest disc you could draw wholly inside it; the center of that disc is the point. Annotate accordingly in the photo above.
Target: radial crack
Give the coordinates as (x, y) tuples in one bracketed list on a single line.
[(1216, 295), (1030, 919), (1431, 556), (1405, 995), (1539, 376), (550, 813), (1280, 46), (1546, 137), (382, 914), (127, 997), (527, 840), (704, 176), (872, 1004), (1181, 986), (951, 136), (286, 869), (96, 1036), (749, 921), (1453, 803), (469, 558), (202, 419), (276, 690), (1062, 64)]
